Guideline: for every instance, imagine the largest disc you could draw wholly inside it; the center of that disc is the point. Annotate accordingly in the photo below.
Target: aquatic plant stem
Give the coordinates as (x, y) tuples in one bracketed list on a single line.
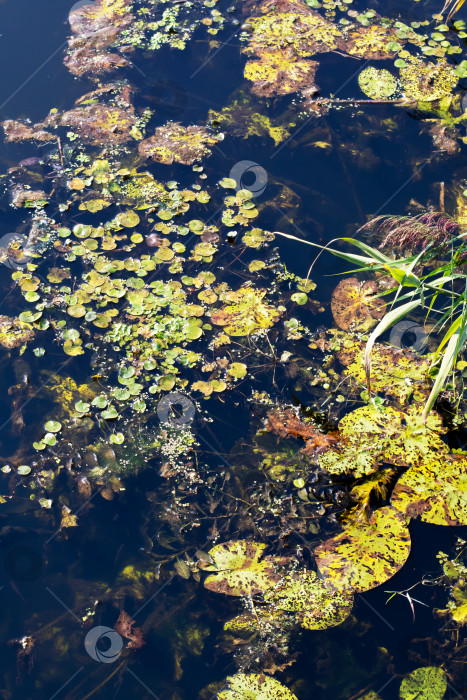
[(106, 680)]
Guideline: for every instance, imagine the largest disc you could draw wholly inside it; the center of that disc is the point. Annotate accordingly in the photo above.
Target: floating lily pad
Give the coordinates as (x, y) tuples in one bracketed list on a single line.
[(425, 82), (398, 374), (240, 568), (245, 312), (129, 219), (435, 490), (365, 555), (426, 683), (377, 83), (24, 470), (318, 605), (53, 426), (372, 436), (237, 370), (254, 686), (355, 306)]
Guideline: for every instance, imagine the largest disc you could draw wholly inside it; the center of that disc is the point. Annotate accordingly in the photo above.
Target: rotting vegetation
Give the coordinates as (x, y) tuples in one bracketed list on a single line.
[(136, 275)]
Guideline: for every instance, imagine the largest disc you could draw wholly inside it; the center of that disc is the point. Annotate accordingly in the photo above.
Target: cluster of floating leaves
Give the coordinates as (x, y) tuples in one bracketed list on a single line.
[(107, 32), (140, 287)]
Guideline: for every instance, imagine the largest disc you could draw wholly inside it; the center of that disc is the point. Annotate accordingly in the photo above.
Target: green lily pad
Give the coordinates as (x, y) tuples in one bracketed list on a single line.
[(49, 439), (377, 83), (426, 683), (299, 298), (110, 413), (53, 426), (24, 470), (77, 311)]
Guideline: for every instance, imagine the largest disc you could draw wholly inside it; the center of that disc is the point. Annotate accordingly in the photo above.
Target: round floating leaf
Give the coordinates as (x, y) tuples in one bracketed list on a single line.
[(71, 334), (164, 254), (110, 413), (237, 370), (53, 426), (72, 349), (377, 83), (371, 436), (426, 683), (241, 571), (100, 402), (355, 306), (436, 490), (82, 406), (126, 373), (228, 183), (24, 470), (299, 298), (117, 438), (365, 555), (254, 686), (129, 219), (318, 605), (77, 311), (245, 312), (49, 439)]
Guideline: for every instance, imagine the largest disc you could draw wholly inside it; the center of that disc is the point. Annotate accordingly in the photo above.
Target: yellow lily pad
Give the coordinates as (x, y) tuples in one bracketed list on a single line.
[(435, 490), (240, 569), (318, 605), (365, 555), (129, 219), (426, 683), (253, 686), (371, 437), (245, 312)]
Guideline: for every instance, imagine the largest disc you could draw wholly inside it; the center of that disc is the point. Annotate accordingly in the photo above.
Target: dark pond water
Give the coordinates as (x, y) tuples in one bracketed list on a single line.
[(57, 583)]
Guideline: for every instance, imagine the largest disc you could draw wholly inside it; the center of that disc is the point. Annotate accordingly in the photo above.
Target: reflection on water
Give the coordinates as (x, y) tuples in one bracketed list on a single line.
[(174, 376)]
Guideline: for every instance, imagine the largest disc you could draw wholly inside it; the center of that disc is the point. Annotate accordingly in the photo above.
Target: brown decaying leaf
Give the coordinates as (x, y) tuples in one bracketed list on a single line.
[(355, 306), (285, 423), (126, 627)]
